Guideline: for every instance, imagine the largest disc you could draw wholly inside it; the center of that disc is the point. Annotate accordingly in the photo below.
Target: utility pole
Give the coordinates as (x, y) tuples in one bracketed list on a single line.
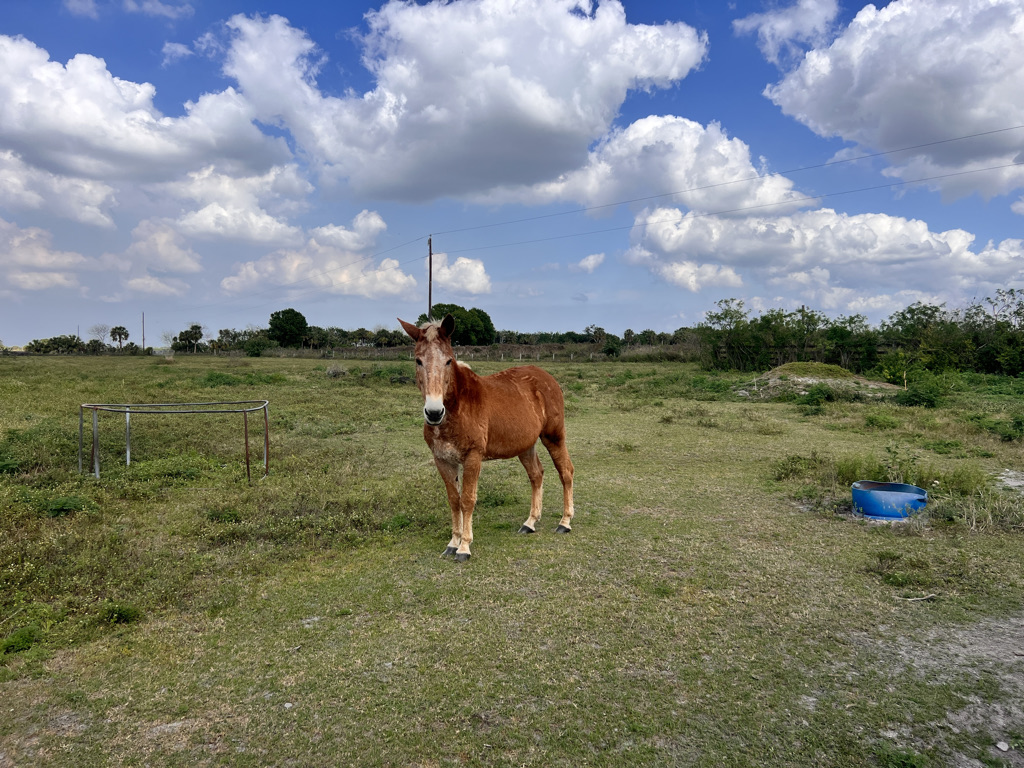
[(143, 333), (430, 278)]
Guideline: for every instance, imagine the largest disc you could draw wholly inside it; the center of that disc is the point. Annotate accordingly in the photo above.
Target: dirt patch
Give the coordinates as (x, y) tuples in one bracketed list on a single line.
[(991, 647), (1012, 480)]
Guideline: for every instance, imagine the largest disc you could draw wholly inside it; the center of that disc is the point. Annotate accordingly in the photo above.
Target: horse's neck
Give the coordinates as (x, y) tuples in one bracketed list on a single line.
[(466, 383)]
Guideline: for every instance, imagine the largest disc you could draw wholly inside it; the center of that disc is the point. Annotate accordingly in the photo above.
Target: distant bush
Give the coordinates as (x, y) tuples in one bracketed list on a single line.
[(255, 347)]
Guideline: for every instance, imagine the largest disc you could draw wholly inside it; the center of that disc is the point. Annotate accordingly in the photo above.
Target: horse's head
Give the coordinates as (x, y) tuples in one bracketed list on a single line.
[(435, 364)]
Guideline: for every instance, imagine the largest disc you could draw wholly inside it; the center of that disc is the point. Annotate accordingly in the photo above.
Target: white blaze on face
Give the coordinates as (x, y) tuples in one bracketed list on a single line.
[(433, 368)]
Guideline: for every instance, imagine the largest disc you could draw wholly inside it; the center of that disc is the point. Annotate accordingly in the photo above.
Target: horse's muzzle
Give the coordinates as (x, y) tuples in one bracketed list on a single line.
[(434, 417)]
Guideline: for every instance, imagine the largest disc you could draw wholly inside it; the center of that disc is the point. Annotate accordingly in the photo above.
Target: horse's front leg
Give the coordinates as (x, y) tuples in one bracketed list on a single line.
[(470, 476), (450, 474)]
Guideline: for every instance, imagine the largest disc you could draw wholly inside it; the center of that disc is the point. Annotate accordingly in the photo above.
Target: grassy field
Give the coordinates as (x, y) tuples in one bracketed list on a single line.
[(717, 604)]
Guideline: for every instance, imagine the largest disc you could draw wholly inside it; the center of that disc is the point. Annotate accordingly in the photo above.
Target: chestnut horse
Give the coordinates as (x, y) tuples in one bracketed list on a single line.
[(470, 419)]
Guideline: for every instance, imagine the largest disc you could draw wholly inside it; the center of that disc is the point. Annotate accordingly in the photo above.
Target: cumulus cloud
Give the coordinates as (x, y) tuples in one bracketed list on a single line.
[(79, 120), (959, 66), (29, 261), (41, 281), (157, 286), (431, 125), (829, 258), (235, 208), (588, 263), (708, 170), (175, 52), (334, 260), (27, 188), (465, 276), (158, 245), (781, 31)]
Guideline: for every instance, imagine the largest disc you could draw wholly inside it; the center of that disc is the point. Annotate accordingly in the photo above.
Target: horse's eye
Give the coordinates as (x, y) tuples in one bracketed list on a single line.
[(448, 361), (419, 362)]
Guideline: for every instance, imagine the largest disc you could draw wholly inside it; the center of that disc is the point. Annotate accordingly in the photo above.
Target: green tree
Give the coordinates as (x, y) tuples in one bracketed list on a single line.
[(288, 327), (612, 345), (190, 337), (56, 345), (119, 334), (473, 327)]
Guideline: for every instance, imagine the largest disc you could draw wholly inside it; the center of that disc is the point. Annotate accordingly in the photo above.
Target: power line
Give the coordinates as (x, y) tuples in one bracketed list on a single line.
[(792, 201), (690, 190), (693, 215)]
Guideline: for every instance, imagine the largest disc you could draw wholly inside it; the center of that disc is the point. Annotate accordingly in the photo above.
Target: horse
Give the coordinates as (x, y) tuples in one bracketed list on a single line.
[(469, 419)]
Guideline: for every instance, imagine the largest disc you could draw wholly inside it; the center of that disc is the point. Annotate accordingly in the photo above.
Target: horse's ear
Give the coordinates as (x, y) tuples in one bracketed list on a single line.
[(448, 326), (412, 330)]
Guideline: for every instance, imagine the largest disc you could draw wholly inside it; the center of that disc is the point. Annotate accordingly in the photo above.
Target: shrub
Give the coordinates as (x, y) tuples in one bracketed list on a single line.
[(119, 613), (21, 639), (923, 390), (64, 505), (255, 347), (881, 421)]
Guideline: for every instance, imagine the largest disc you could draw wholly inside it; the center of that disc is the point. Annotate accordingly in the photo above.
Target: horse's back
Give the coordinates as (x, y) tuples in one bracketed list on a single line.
[(513, 388)]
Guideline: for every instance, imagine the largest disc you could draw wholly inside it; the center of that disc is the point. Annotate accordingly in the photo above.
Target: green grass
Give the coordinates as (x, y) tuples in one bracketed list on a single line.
[(715, 604)]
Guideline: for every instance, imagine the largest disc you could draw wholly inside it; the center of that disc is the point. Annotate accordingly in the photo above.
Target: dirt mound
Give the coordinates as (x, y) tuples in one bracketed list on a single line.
[(798, 378)]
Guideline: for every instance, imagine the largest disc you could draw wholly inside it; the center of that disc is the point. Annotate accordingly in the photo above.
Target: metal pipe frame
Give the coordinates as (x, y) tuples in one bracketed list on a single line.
[(170, 409)]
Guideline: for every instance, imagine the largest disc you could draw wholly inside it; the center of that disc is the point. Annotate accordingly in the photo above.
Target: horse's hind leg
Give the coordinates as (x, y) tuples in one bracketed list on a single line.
[(531, 461), (560, 456)]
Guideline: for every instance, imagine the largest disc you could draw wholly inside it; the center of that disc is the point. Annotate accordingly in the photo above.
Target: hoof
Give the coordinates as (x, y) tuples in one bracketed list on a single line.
[(448, 552), (461, 557), (526, 529), (563, 529)]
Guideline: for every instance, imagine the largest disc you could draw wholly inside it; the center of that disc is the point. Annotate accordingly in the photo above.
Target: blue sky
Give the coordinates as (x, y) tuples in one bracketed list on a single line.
[(622, 164)]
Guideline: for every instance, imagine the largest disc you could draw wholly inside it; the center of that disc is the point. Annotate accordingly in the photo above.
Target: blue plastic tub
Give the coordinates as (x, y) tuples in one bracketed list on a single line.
[(888, 501)]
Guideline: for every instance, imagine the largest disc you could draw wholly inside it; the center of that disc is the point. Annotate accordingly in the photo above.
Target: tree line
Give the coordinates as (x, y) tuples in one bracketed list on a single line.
[(987, 337)]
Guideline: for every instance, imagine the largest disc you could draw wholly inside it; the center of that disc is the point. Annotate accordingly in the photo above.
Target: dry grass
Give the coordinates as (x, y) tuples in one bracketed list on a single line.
[(699, 614)]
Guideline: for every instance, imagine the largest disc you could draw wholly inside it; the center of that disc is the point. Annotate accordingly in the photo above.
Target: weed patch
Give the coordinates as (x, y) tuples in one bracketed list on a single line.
[(21, 639), (119, 613)]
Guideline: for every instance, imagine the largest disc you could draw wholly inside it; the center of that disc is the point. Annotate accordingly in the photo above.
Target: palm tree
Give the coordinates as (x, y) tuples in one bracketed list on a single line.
[(119, 334)]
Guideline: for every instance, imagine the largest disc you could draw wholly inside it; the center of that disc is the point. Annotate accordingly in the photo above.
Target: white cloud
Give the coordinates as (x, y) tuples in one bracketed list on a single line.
[(431, 125), (80, 121), (233, 208), (662, 154), (175, 52), (82, 8), (832, 259), (29, 261), (588, 263), (28, 188), (33, 248), (466, 276), (957, 72), (780, 31), (41, 281), (157, 286), (159, 246), (334, 260), (157, 8)]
